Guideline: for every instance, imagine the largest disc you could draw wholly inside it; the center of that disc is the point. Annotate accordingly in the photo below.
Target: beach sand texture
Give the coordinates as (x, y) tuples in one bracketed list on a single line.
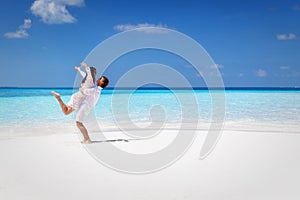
[(243, 165)]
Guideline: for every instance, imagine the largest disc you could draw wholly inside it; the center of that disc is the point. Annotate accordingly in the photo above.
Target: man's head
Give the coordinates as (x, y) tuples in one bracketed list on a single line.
[(103, 81)]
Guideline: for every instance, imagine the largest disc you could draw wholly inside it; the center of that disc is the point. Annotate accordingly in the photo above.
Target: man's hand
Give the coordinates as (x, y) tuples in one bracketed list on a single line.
[(83, 64), (77, 68)]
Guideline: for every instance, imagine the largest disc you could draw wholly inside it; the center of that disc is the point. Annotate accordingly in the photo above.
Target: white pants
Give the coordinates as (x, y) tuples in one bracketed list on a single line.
[(82, 112)]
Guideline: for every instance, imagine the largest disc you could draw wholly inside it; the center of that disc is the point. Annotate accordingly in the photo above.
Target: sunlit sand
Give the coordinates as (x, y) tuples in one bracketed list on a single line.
[(243, 165)]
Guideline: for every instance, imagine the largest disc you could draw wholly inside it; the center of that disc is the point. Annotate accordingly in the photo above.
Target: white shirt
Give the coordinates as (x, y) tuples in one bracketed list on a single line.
[(92, 97), (78, 97)]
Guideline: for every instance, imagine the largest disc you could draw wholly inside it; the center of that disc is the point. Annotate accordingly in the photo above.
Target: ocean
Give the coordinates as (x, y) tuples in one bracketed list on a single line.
[(36, 111)]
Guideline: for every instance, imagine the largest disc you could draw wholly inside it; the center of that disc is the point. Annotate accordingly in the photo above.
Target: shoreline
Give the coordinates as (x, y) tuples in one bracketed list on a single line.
[(7, 131), (110, 126)]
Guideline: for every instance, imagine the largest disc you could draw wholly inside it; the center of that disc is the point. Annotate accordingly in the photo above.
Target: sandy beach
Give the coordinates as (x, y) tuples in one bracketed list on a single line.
[(243, 165), (182, 100)]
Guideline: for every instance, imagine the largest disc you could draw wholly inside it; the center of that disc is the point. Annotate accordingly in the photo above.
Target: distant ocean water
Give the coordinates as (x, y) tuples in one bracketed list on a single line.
[(37, 111)]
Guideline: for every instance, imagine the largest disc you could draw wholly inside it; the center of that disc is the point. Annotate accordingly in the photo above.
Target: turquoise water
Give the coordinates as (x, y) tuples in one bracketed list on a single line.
[(37, 110)]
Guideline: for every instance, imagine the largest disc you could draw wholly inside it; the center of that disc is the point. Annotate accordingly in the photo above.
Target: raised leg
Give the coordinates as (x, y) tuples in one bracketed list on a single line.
[(65, 109)]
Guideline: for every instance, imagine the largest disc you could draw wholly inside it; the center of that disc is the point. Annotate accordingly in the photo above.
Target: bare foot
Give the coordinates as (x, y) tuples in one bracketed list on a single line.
[(86, 142), (55, 94)]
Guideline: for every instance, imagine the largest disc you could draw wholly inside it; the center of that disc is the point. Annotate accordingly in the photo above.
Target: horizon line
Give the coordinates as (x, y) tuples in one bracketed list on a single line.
[(175, 88)]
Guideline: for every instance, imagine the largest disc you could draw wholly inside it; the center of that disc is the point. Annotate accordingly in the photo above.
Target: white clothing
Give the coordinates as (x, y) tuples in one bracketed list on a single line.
[(92, 96), (82, 112), (76, 100), (78, 97), (89, 82)]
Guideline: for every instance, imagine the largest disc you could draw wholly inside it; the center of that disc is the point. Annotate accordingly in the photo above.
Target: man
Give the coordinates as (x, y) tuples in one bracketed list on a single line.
[(87, 105), (90, 98), (77, 98)]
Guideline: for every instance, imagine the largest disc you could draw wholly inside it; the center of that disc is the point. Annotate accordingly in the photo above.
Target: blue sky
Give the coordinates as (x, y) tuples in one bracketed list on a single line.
[(253, 43)]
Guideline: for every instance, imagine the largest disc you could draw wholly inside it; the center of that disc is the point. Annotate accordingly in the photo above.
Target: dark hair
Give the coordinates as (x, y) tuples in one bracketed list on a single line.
[(93, 73), (106, 81)]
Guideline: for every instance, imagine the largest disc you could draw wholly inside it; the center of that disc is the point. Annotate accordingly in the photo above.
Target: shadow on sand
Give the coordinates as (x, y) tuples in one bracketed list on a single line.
[(115, 140)]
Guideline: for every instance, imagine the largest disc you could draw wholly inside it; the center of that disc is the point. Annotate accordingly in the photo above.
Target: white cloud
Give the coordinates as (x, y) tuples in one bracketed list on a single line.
[(26, 25), (296, 7), (293, 74), (290, 36), (55, 11), (284, 67), (217, 66), (211, 71), (210, 74), (17, 34), (199, 74), (145, 27), (21, 32), (261, 73)]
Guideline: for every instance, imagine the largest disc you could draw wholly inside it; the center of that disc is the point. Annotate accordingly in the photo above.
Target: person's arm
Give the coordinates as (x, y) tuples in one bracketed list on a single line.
[(86, 67), (88, 71), (79, 70)]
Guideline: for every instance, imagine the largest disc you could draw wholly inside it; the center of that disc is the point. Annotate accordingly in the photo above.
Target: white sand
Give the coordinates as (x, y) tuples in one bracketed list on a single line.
[(244, 165)]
